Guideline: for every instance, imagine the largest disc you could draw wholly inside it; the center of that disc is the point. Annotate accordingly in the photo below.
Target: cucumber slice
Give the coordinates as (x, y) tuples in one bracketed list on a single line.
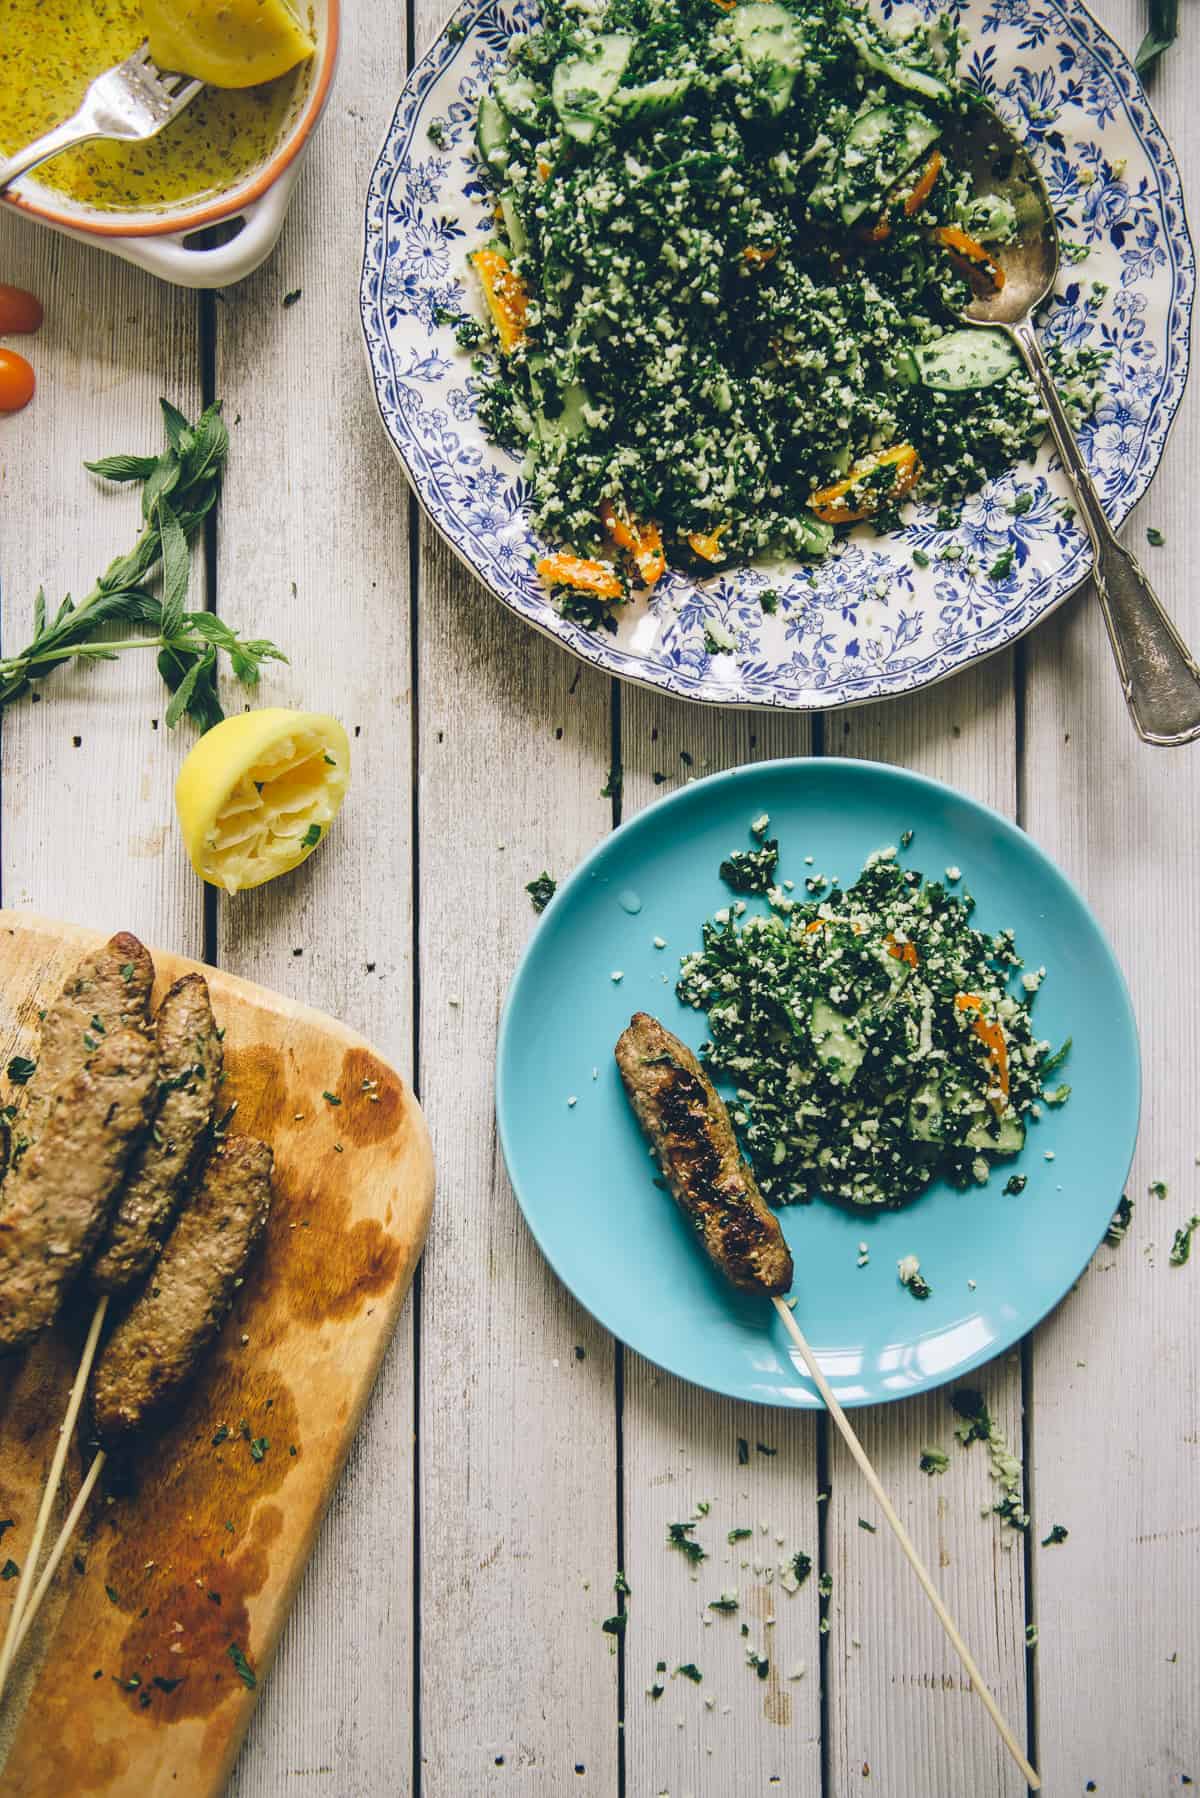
[(770, 41), (925, 1113), (583, 84), (839, 1053), (1007, 1137), (492, 132), (881, 145), (653, 99), (965, 361), (514, 229), (517, 96), (816, 536), (568, 423), (882, 57)]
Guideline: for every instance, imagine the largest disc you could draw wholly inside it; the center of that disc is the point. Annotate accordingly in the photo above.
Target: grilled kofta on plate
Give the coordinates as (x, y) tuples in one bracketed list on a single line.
[(157, 1346), (691, 1134), (189, 1074)]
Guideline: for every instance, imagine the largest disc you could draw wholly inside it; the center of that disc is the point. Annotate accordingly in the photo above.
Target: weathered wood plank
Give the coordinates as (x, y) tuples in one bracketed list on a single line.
[(1115, 1455), (681, 1448), (518, 1445), (88, 829), (314, 552), (898, 1702)]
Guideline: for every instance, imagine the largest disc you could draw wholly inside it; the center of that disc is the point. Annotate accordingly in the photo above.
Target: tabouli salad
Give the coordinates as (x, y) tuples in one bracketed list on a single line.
[(729, 251), (872, 1034)]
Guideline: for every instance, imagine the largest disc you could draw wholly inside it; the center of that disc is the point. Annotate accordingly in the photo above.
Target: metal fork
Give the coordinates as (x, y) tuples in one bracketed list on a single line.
[(131, 102)]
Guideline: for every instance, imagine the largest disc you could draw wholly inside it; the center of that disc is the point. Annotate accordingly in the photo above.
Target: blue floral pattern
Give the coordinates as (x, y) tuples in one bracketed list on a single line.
[(869, 622)]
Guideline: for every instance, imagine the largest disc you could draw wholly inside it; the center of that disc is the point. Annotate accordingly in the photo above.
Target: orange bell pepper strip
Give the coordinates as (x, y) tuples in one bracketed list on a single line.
[(581, 575), (835, 506), (914, 201), (758, 258), (505, 294), (901, 951), (643, 541), (707, 544), (971, 257), (992, 1037)]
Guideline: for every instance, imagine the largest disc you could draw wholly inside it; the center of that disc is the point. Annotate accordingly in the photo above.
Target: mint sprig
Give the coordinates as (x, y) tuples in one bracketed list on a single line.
[(180, 486)]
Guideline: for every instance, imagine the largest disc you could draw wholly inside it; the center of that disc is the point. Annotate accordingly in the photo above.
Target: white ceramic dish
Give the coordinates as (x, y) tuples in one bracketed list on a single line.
[(166, 241)]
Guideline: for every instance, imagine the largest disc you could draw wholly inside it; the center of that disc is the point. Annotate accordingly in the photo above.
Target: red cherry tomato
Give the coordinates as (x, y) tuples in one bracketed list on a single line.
[(16, 381), (20, 312)]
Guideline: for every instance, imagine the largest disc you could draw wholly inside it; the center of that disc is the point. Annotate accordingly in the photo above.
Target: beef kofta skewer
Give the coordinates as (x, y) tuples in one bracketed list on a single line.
[(84, 1108), (189, 1075), (693, 1137), (681, 1112), (156, 1349), (189, 1065)]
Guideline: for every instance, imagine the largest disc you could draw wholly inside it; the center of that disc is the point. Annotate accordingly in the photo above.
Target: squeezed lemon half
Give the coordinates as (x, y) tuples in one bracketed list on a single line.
[(258, 792), (230, 43)]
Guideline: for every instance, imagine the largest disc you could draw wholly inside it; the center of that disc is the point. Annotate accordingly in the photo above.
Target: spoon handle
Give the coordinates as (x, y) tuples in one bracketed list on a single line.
[(1159, 676)]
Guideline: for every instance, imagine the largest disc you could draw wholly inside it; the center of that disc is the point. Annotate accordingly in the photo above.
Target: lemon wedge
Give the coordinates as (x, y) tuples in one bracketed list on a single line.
[(230, 43), (258, 792)]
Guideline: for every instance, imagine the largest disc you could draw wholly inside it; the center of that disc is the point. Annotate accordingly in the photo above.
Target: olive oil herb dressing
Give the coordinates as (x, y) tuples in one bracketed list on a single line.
[(50, 50)]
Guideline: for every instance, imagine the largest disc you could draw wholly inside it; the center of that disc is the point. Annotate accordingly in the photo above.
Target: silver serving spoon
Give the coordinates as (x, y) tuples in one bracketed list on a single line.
[(1159, 677)]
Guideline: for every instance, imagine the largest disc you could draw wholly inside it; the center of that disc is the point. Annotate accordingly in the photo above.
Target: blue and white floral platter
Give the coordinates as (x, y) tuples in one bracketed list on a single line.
[(868, 623)]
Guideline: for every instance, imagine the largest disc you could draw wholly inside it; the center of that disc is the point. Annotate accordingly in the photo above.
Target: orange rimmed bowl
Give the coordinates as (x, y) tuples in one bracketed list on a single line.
[(177, 242)]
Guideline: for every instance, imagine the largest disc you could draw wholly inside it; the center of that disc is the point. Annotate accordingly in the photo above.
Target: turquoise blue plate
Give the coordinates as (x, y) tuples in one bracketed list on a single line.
[(582, 1172)]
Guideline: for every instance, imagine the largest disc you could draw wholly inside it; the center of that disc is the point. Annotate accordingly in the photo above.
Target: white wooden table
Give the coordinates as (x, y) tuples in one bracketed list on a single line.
[(447, 1637)]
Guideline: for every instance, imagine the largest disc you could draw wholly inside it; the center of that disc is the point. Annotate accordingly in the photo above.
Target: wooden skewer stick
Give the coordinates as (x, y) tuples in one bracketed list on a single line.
[(902, 1536), (53, 1479), (59, 1550)]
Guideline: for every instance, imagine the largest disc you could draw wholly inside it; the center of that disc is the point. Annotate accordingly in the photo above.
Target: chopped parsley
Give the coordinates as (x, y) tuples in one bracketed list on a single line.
[(1157, 1189), (1015, 1184), (331, 1098), (1058, 1533), (692, 331), (10, 1570), (259, 1447), (690, 1671), (739, 1535), (615, 1626), (1120, 1221), (21, 1070), (876, 1039), (933, 1461), (1002, 567), (728, 1601), (800, 1566), (1181, 1248), (751, 870), (245, 1671), (311, 837), (976, 1425), (541, 891), (679, 1535), (910, 1275), (743, 1452), (1154, 536)]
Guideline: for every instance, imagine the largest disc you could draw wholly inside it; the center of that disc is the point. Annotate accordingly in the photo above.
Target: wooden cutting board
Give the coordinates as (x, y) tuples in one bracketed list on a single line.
[(129, 1683)]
